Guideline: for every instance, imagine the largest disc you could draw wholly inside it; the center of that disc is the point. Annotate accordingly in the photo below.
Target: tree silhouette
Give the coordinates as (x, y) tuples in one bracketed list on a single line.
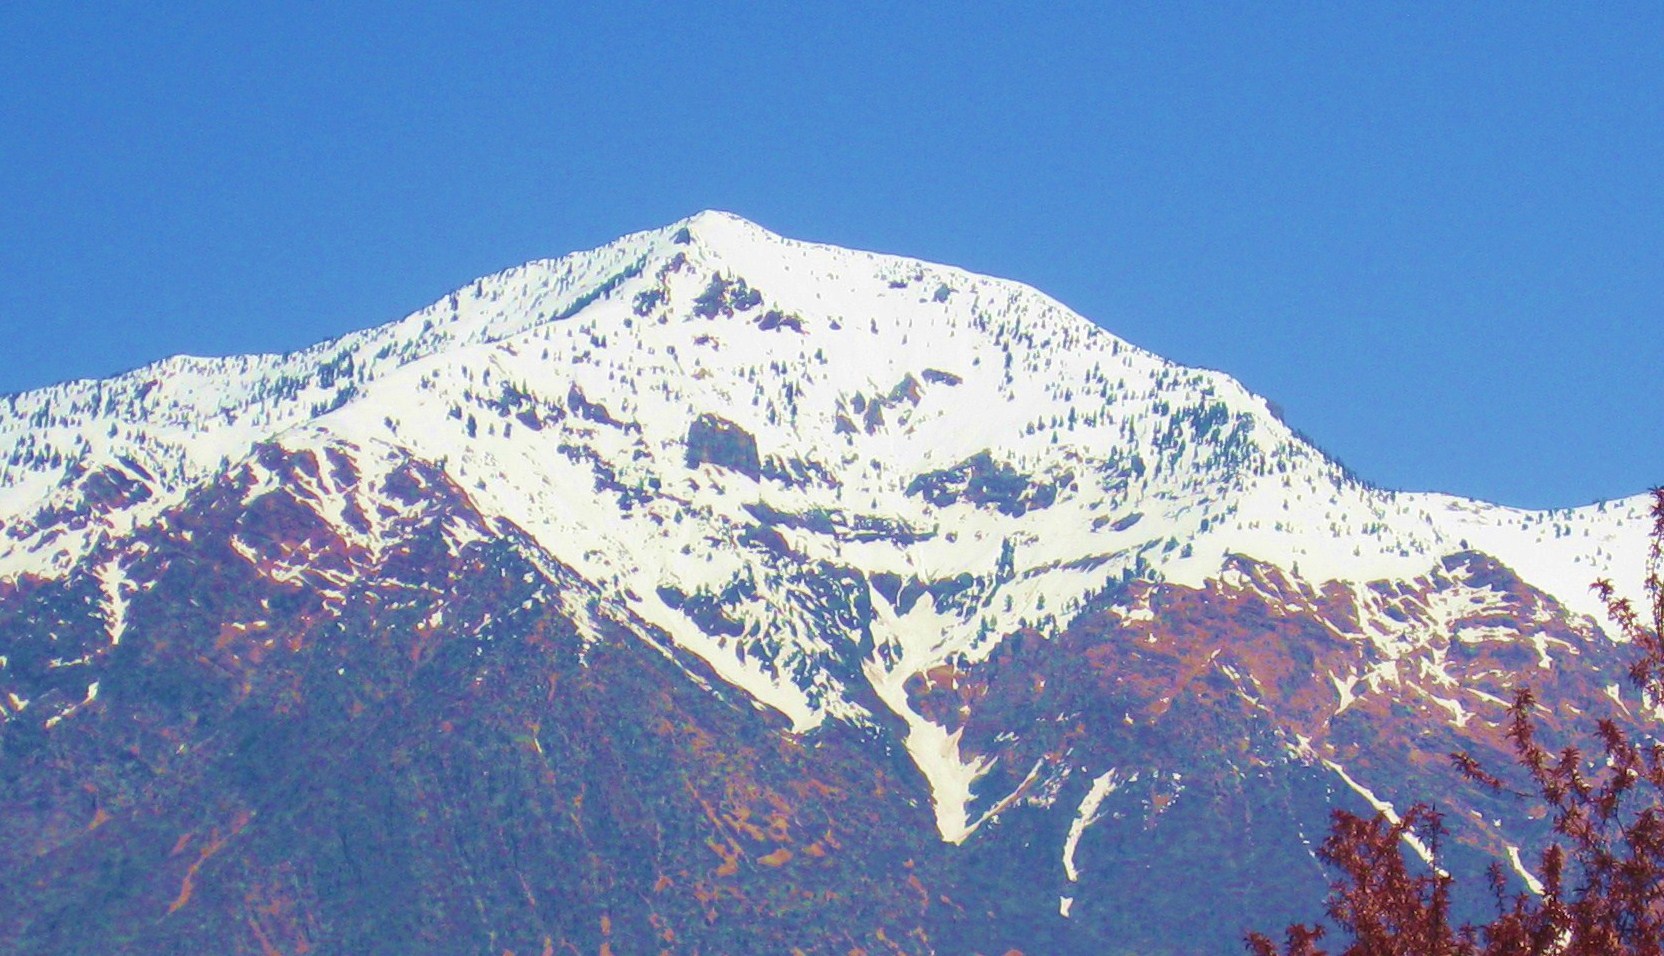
[(1602, 875)]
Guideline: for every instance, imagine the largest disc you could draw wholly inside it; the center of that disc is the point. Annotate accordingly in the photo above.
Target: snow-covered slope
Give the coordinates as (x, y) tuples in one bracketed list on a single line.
[(823, 472)]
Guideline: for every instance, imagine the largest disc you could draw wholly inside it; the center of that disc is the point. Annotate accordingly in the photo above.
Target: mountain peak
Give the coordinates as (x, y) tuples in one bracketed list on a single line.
[(819, 353), (762, 513), (719, 217), (714, 229)]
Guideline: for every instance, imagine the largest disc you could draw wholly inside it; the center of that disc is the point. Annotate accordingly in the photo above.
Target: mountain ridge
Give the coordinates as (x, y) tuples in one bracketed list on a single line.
[(365, 354), (851, 494)]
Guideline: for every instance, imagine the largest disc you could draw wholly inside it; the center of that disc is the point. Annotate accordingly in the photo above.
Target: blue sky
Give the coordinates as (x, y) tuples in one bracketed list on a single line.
[(1433, 233)]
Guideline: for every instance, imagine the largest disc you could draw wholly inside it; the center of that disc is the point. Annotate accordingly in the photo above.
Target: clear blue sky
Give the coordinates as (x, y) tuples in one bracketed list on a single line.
[(1434, 233)]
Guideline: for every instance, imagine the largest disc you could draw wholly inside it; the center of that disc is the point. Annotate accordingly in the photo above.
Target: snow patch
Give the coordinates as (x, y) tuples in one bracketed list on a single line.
[(1530, 878), (112, 580), (1386, 809), (933, 749), (1102, 786)]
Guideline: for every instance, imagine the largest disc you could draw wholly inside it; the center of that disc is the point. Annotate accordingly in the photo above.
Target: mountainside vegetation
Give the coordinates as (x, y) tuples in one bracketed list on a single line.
[(1600, 884)]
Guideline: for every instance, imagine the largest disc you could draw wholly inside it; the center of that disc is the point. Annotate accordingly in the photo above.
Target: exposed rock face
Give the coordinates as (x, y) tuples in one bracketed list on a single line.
[(717, 441), (951, 624), (983, 481)]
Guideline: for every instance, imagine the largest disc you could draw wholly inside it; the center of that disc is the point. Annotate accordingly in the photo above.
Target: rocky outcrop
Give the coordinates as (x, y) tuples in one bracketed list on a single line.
[(716, 441)]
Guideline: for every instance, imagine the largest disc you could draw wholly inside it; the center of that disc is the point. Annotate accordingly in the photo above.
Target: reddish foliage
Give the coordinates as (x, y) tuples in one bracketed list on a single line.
[(1602, 877)]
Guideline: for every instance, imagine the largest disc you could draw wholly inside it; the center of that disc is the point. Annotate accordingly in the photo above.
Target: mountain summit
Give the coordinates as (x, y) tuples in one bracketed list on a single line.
[(712, 591)]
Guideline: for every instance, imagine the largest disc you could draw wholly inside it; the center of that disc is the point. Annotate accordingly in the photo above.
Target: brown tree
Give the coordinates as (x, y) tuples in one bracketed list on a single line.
[(1602, 875)]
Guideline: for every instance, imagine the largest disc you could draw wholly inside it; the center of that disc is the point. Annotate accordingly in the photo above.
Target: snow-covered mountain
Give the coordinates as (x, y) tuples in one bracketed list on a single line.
[(888, 509)]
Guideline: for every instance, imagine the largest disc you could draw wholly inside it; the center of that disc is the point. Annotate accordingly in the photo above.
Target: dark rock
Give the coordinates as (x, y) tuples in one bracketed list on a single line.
[(717, 441), (584, 408), (940, 377), (774, 320), (984, 482)]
